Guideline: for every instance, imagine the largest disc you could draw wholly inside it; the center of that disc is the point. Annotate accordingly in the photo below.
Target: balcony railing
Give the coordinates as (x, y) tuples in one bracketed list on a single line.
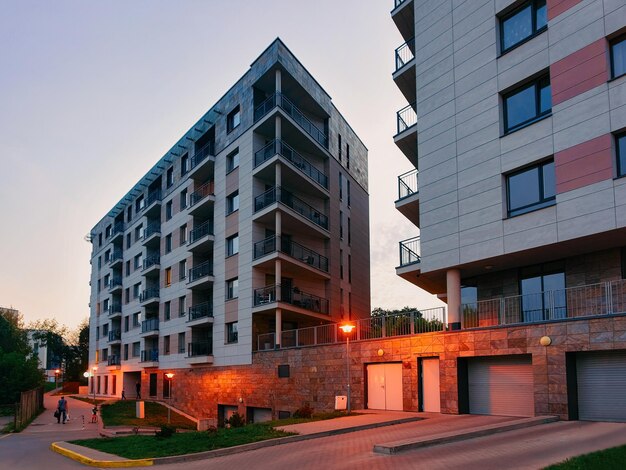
[(115, 335), (282, 195), (202, 154), (291, 248), (407, 184), (199, 348), (115, 282), (405, 53), (410, 251), (151, 230), (153, 196), (280, 100), (278, 147), (117, 255), (117, 228), (607, 298), (202, 230), (150, 355), (151, 261), (199, 194), (203, 310), (407, 117), (404, 324), (293, 296), (151, 324), (149, 294), (114, 360), (202, 270), (397, 3), (115, 309)]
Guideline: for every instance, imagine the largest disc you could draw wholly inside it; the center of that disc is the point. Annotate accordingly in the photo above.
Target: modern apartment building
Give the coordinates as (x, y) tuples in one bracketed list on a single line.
[(515, 138), (254, 224)]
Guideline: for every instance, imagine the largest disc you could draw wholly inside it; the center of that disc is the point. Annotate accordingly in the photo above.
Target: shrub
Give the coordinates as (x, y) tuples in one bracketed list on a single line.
[(211, 430), (304, 412), (236, 420), (166, 431)]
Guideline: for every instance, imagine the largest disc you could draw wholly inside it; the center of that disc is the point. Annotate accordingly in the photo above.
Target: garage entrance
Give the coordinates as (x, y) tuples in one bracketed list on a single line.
[(384, 386)]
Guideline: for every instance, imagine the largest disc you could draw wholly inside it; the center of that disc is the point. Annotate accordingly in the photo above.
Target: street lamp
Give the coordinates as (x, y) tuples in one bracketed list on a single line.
[(169, 376), (56, 378), (347, 329), (93, 383)]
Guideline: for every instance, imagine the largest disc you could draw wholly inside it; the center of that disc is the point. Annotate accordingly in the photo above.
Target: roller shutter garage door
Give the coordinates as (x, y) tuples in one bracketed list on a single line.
[(501, 386), (601, 384)]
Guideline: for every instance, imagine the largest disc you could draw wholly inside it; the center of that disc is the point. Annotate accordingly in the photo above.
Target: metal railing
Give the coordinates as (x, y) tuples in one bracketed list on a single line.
[(202, 310), (114, 360), (397, 3), (202, 154), (153, 196), (117, 255), (115, 309), (115, 282), (293, 296), (403, 324), (406, 117), (278, 147), (199, 194), (151, 230), (291, 248), (409, 251), (115, 335), (280, 100), (199, 348), (202, 230), (407, 184), (275, 194), (149, 294), (202, 270), (150, 355), (151, 324), (606, 298), (117, 228), (405, 53), (151, 261)]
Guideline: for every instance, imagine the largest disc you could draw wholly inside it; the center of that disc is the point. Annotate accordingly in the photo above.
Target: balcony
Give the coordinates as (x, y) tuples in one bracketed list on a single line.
[(153, 204), (115, 310), (115, 336), (277, 194), (278, 147), (200, 311), (403, 15), (117, 257), (292, 249), (200, 275), (201, 164), (409, 251), (114, 360), (201, 238), (200, 352), (150, 355), (115, 284), (150, 265), (201, 199), (152, 235), (281, 101), (149, 296), (406, 137), (593, 300), (117, 231), (408, 196), (404, 75), (294, 296), (150, 327)]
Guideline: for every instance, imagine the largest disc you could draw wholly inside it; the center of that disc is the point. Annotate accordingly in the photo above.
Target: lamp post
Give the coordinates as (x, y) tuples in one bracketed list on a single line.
[(169, 376), (347, 329), (56, 378), (93, 383)]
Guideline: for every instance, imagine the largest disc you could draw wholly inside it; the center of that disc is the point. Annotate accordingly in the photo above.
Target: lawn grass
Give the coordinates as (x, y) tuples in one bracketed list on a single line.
[(48, 386), (315, 417), (609, 459), (122, 413), (138, 447), (88, 400)]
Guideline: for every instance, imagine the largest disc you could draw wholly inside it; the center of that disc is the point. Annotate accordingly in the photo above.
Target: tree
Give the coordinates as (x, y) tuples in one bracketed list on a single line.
[(12, 335)]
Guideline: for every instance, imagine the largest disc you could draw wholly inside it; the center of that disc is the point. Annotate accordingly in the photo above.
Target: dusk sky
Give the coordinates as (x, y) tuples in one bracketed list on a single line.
[(92, 94)]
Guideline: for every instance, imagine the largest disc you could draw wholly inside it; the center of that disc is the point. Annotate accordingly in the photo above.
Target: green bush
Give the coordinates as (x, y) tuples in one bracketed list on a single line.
[(304, 412), (236, 421), (166, 431)]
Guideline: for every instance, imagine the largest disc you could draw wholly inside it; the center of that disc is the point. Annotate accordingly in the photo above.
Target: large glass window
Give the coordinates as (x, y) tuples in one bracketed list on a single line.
[(232, 203), (527, 103), (232, 289), (523, 23), (618, 57), (543, 292), (232, 334), (232, 161), (620, 151), (233, 119), (530, 189), (232, 245)]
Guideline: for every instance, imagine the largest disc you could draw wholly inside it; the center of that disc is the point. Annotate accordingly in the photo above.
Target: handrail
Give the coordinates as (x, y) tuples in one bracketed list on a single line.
[(407, 184), (203, 191), (151, 324), (405, 53), (276, 193), (291, 248), (114, 360), (204, 309), (199, 348), (202, 230), (153, 196), (200, 155), (406, 118), (410, 251), (149, 294), (150, 355), (115, 335), (293, 296), (151, 230), (151, 261), (115, 256), (202, 270)]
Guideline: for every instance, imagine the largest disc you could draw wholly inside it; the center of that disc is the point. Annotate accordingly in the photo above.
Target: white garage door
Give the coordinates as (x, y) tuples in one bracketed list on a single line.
[(501, 386), (384, 386), (601, 386)]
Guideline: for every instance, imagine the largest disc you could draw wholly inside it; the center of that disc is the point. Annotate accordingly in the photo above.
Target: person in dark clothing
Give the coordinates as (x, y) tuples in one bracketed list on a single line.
[(62, 408), (138, 387), (123, 394)]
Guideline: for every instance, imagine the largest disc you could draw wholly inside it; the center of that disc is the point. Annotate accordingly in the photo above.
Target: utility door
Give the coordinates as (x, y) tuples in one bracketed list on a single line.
[(384, 386), (431, 397)]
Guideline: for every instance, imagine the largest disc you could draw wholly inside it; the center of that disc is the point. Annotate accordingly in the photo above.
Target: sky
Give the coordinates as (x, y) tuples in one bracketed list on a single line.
[(93, 93)]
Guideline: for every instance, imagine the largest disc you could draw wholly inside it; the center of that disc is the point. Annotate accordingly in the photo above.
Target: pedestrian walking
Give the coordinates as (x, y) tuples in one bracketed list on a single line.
[(63, 409), (123, 395), (138, 388), (94, 414)]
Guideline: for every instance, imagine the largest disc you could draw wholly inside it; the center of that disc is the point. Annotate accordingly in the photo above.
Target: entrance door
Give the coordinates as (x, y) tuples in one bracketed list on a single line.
[(431, 398), (384, 387)]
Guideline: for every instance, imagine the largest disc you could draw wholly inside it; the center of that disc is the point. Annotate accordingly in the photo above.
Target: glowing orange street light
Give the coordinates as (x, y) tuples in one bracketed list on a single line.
[(169, 377), (347, 329), (56, 377)]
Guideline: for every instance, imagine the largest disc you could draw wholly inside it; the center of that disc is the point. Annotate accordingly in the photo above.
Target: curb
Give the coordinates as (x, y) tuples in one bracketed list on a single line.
[(446, 438), (57, 447)]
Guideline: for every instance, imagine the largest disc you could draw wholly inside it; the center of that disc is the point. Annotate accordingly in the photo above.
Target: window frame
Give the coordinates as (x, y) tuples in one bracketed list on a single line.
[(536, 82), (232, 245), (230, 119), (621, 172), (535, 31), (232, 161), (232, 332), (543, 201), (169, 177), (617, 40), (230, 202), (232, 288)]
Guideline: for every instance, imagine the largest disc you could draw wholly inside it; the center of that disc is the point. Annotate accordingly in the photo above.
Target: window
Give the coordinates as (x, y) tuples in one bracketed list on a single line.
[(127, 294), (522, 24), (129, 213), (107, 231), (232, 288), (136, 289), (184, 164), (169, 177), (126, 352), (349, 268), (138, 232), (128, 268), (168, 277), (99, 285), (339, 146), (341, 225), (340, 264), (100, 239), (231, 332), (530, 189), (183, 199), (348, 190), (348, 156), (182, 302), (168, 243), (166, 344), (349, 232), (527, 104), (232, 161), (135, 320), (618, 57), (129, 240), (181, 343), (182, 270), (232, 245), (232, 203), (620, 152), (543, 292), (107, 256), (126, 323), (167, 310), (233, 119), (183, 234), (140, 203), (97, 332), (136, 349), (137, 261), (99, 262), (168, 210), (340, 186), (623, 263)]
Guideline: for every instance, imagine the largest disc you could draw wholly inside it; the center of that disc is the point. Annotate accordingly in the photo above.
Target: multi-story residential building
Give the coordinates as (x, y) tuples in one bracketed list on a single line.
[(515, 134), (254, 224)]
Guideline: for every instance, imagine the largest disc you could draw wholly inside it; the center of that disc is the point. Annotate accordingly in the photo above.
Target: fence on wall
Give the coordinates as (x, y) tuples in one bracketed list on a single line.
[(31, 403)]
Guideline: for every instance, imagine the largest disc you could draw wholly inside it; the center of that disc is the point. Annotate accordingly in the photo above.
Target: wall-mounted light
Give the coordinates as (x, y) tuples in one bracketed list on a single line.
[(545, 341)]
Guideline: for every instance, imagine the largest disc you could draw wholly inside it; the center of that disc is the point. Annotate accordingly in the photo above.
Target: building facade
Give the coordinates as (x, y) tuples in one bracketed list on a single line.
[(252, 226), (515, 135)]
